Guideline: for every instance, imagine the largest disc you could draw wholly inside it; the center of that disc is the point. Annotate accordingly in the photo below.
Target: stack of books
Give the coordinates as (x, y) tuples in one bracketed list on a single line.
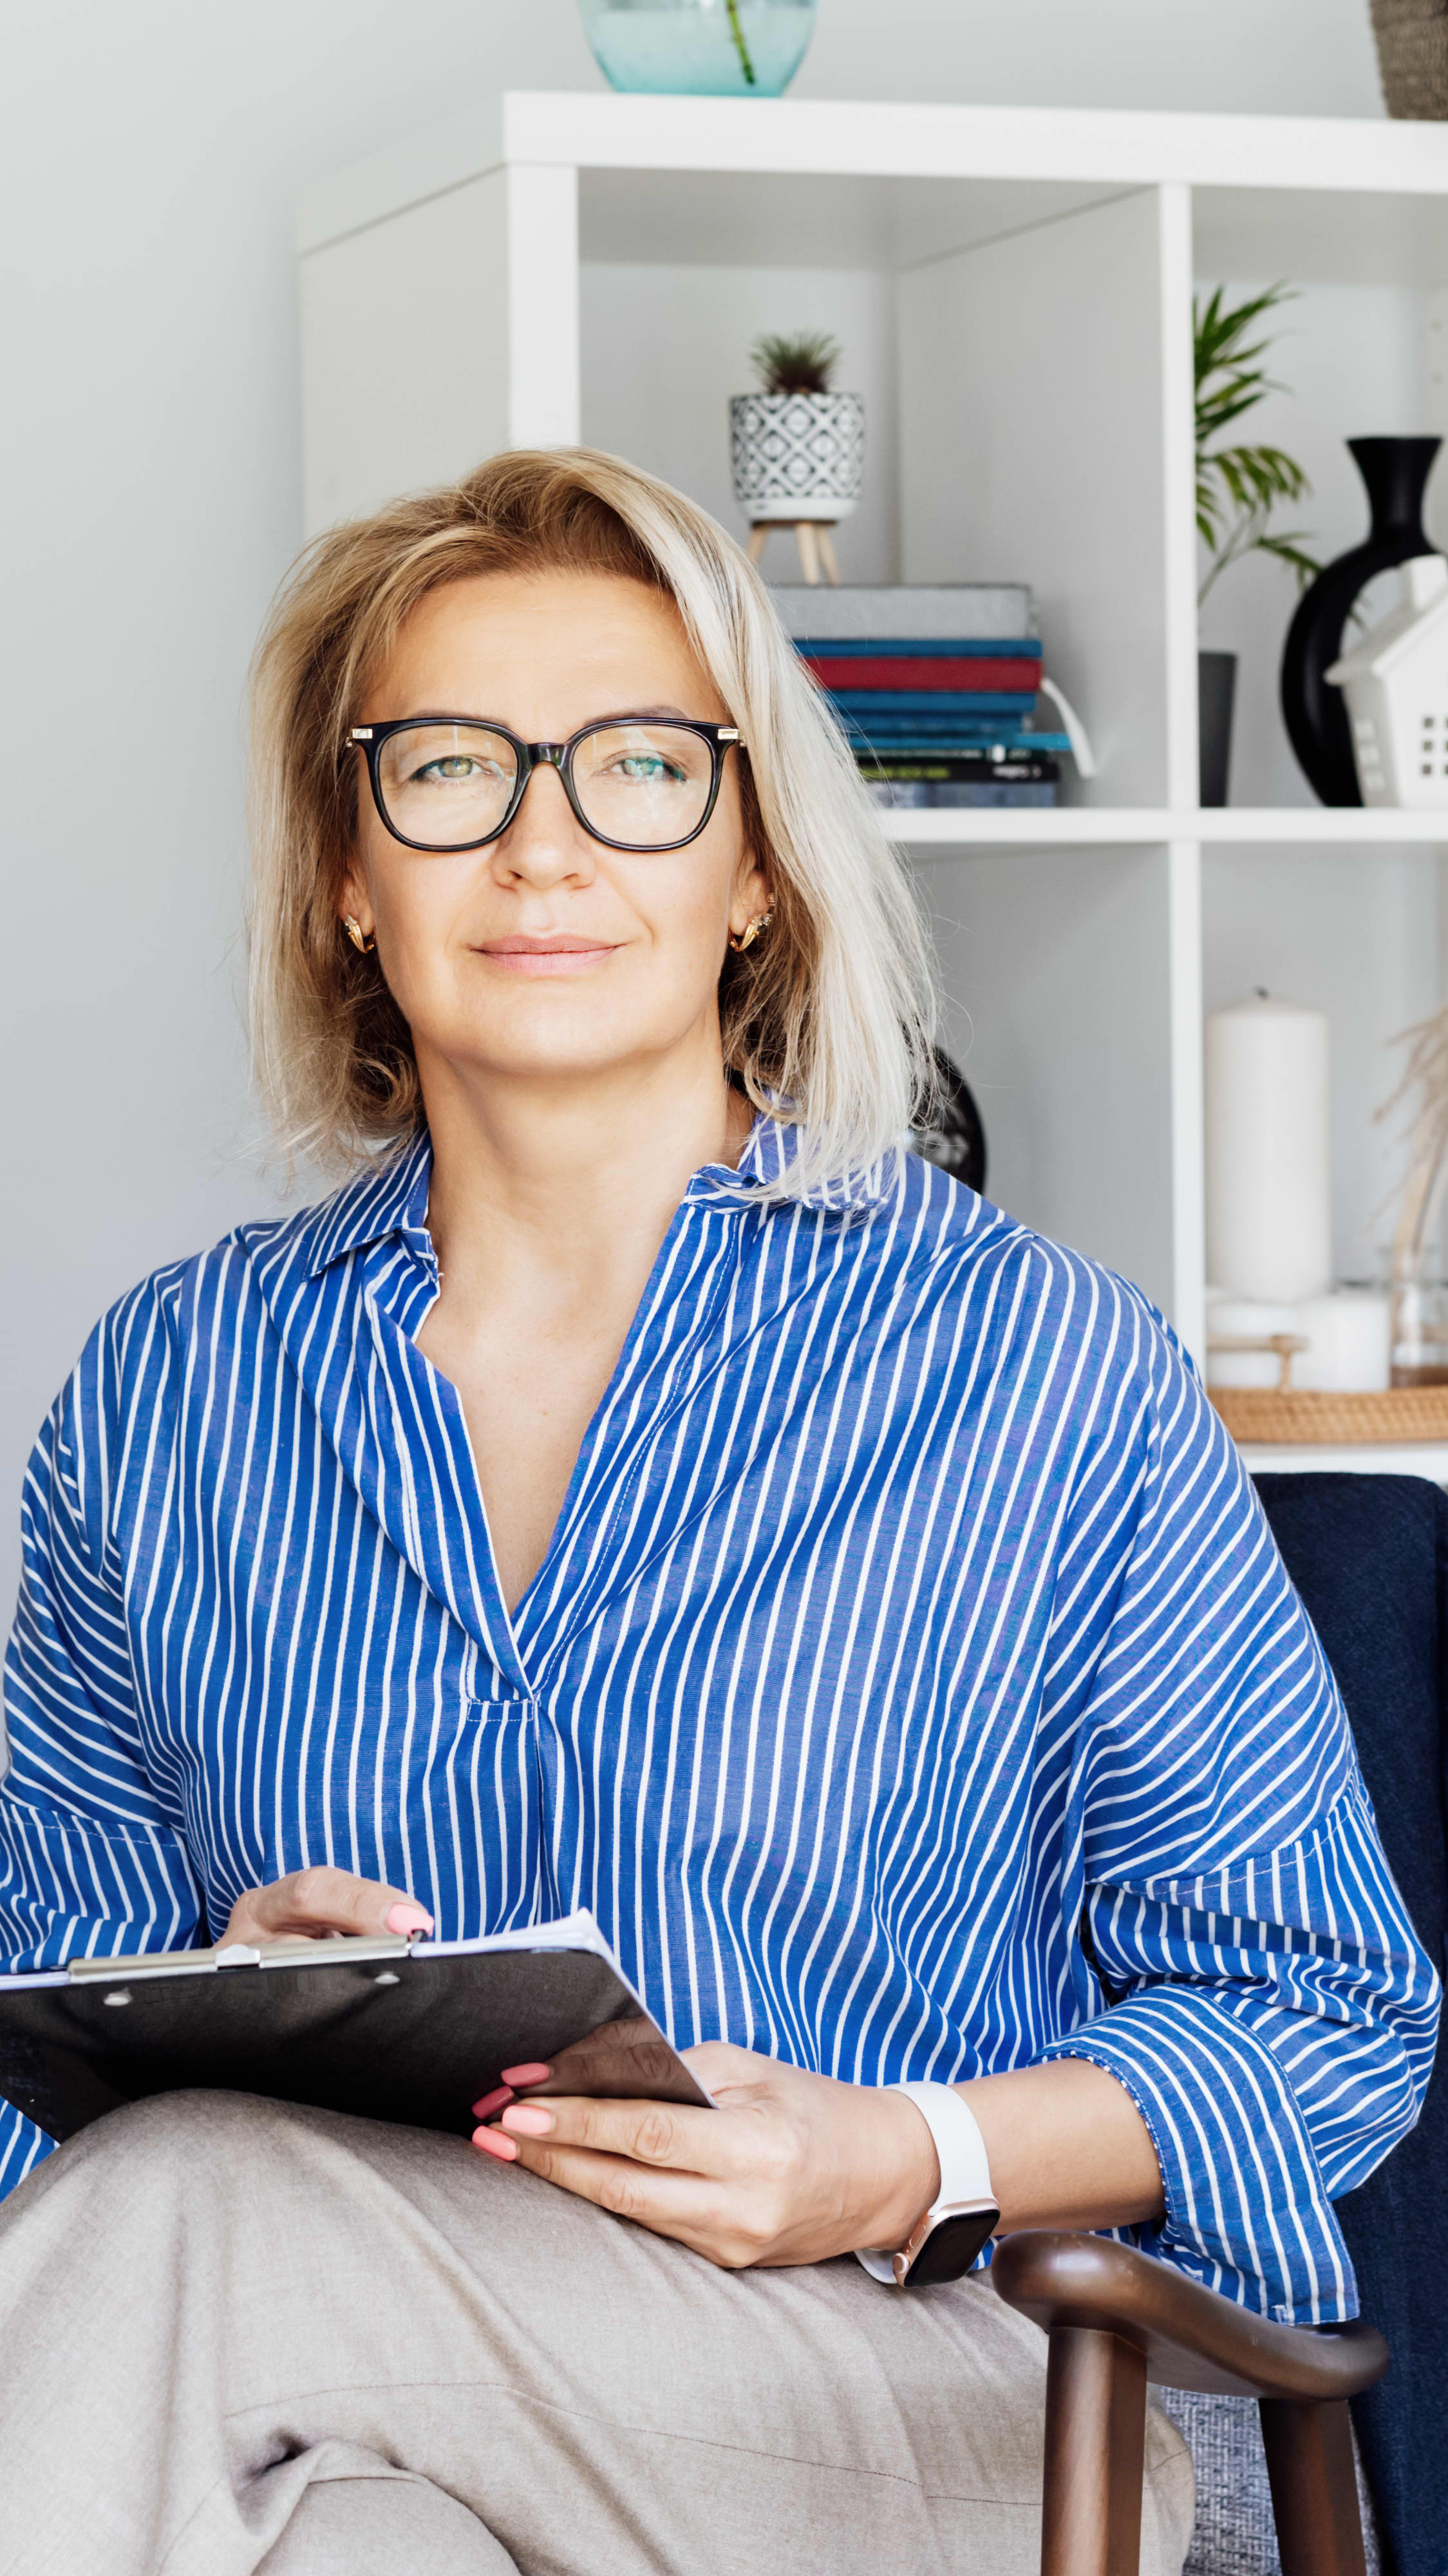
[(935, 686)]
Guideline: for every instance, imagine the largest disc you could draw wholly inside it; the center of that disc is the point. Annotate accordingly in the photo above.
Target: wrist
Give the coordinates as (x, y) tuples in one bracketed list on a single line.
[(949, 2231), (911, 2177)]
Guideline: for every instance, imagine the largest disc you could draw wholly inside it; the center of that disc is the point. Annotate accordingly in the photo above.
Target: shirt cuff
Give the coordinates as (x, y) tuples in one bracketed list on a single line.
[(1246, 2210)]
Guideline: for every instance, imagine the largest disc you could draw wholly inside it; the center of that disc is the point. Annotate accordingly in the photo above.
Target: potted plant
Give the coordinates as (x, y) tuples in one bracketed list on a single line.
[(797, 449), (1239, 491)]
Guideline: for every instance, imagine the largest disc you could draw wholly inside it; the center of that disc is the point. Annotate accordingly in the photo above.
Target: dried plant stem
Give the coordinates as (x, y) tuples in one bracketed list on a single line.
[(1425, 1081), (740, 47)]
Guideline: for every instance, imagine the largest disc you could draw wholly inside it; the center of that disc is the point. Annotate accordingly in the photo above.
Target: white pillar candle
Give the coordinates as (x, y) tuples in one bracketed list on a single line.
[(1349, 1342), (1269, 1217)]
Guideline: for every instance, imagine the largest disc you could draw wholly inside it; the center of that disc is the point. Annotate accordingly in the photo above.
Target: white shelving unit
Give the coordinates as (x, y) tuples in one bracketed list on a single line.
[(1013, 291)]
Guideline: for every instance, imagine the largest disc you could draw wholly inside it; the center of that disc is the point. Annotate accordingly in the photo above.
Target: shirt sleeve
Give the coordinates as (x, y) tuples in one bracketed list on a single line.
[(90, 1862), (1243, 1961)]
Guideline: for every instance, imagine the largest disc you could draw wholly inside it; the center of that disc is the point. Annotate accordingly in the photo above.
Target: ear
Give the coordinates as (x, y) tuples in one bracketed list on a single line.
[(354, 899), (751, 896)]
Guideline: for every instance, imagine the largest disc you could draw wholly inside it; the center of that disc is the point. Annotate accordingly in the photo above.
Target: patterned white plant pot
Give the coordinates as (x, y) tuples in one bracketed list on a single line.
[(796, 456)]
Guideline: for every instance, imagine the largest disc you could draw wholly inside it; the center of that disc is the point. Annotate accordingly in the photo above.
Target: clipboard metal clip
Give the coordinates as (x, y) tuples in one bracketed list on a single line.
[(295, 1951)]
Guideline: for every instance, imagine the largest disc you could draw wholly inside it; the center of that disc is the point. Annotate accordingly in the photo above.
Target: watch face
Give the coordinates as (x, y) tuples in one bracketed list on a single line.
[(951, 2247)]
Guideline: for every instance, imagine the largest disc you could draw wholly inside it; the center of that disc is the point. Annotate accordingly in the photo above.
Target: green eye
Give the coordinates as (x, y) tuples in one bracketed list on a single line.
[(648, 766), (456, 765)]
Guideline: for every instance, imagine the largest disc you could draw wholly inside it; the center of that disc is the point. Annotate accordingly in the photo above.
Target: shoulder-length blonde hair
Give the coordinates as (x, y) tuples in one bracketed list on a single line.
[(827, 1020)]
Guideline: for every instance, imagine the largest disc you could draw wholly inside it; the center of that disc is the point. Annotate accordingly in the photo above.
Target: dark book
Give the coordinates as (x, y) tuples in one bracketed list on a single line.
[(959, 767), (995, 793)]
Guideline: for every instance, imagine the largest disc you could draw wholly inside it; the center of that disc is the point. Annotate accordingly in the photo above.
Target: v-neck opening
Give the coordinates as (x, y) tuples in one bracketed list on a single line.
[(712, 1190)]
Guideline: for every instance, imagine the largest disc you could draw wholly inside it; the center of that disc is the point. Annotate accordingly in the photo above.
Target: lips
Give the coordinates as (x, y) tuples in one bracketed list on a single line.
[(546, 943), (549, 952)]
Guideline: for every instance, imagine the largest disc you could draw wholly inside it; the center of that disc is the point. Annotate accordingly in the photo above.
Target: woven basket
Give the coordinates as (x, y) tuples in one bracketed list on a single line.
[(1295, 1417), (1412, 38)]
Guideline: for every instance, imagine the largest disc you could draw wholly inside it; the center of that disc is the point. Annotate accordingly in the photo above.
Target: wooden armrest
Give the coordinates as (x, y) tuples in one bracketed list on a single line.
[(1192, 2338)]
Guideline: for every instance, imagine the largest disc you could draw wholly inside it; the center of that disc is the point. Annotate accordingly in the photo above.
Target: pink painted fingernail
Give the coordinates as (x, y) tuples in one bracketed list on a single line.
[(492, 2102), (528, 2120), (408, 1918), (493, 2143), (520, 2077)]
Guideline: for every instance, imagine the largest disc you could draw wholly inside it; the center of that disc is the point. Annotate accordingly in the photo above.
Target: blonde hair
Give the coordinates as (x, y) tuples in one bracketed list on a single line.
[(827, 1019)]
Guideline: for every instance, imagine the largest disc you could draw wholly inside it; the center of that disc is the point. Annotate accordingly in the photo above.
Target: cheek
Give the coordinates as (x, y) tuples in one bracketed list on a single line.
[(421, 906), (686, 928)]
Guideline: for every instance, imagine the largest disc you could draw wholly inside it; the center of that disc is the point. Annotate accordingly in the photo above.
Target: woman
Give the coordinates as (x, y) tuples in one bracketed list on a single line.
[(644, 1487)]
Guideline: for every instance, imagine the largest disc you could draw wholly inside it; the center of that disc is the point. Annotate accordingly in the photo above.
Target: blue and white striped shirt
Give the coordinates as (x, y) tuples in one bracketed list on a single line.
[(911, 1686)]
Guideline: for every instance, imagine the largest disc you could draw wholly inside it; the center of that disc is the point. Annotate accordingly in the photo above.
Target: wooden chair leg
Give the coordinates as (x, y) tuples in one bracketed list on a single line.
[(826, 544), (758, 539), (809, 562), (1314, 2489), (1095, 2455)]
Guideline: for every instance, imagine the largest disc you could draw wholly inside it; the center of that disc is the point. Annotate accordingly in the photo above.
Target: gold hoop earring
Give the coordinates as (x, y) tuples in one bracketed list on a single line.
[(745, 938), (355, 932)]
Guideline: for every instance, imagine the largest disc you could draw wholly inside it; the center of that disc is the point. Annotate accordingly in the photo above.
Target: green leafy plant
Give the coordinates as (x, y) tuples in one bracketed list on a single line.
[(798, 363), (1239, 488), (736, 30)]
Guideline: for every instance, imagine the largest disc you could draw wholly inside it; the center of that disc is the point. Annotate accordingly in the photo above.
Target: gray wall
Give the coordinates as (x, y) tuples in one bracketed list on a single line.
[(149, 157)]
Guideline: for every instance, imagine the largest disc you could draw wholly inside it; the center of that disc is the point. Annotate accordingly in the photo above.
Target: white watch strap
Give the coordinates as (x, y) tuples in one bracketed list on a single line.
[(964, 2165)]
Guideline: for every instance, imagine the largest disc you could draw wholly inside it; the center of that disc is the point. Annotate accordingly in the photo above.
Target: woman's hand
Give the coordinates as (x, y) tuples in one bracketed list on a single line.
[(790, 2168), (319, 1903)]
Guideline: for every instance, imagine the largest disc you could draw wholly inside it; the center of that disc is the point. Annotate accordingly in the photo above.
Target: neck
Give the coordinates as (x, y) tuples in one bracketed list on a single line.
[(570, 1173)]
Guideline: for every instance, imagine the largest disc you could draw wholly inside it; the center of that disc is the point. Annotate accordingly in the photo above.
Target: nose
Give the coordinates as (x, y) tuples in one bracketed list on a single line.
[(545, 844)]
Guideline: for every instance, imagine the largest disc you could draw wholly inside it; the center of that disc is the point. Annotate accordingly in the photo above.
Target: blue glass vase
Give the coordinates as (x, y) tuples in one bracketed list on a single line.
[(711, 48)]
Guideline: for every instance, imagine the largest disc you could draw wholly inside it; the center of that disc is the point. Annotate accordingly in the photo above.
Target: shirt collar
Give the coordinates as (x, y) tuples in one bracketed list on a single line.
[(390, 1198)]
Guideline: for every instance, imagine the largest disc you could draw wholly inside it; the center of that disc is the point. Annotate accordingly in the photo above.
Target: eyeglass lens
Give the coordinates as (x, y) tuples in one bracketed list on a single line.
[(446, 785)]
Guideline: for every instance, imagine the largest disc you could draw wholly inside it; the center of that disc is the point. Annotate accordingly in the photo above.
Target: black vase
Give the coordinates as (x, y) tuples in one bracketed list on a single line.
[(1216, 689), (1395, 471)]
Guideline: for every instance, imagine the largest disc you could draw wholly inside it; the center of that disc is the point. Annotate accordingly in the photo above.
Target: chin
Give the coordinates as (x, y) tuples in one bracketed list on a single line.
[(542, 1054)]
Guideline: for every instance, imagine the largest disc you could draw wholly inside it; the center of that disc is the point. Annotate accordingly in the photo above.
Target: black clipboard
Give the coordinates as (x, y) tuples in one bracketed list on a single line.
[(386, 2028)]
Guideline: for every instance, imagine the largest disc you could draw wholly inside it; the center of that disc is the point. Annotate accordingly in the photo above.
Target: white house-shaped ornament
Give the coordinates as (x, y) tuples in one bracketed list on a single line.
[(1396, 686)]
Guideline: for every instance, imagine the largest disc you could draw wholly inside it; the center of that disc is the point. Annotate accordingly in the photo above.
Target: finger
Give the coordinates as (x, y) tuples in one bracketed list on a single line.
[(688, 2207), (627, 2060), (321, 1900), (491, 2142), (659, 2134)]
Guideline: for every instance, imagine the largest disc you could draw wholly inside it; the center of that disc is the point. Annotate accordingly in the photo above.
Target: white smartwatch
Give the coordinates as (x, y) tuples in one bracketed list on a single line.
[(943, 2244)]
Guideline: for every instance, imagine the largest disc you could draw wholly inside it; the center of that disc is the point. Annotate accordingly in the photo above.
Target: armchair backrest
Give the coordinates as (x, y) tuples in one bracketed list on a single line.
[(1369, 1555)]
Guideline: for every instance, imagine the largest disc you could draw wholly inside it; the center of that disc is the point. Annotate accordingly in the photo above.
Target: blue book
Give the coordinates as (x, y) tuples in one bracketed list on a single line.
[(887, 728), (907, 738), (940, 705)]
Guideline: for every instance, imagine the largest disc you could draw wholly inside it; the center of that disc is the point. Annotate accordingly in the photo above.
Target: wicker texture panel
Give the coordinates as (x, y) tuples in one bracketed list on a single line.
[(1293, 1415), (1413, 56)]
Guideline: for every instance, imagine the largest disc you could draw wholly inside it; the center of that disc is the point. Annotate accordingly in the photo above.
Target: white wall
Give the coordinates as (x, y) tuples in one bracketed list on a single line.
[(149, 157)]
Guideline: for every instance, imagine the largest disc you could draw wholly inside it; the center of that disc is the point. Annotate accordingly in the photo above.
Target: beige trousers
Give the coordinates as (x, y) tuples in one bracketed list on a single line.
[(238, 2337)]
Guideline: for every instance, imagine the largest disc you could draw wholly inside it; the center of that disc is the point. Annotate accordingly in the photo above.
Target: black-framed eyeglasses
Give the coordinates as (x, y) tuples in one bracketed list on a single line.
[(635, 782)]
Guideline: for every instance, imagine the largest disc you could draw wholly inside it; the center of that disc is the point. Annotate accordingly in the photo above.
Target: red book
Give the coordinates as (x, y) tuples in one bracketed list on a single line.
[(924, 671)]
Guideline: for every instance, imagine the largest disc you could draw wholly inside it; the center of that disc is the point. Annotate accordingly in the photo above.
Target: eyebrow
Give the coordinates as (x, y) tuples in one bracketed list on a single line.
[(656, 715), (622, 715)]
